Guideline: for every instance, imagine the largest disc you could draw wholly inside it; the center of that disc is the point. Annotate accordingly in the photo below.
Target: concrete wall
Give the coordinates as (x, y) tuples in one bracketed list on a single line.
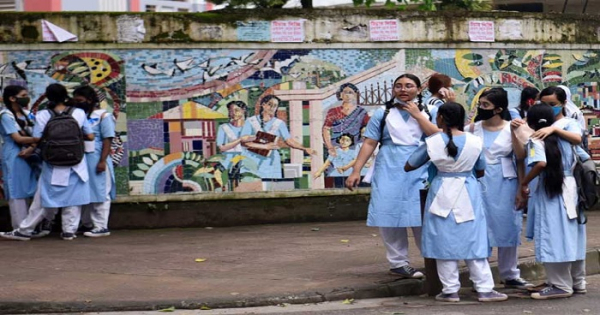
[(169, 77)]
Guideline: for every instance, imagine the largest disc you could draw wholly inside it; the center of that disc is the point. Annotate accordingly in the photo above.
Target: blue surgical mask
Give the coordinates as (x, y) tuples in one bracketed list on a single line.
[(557, 110)]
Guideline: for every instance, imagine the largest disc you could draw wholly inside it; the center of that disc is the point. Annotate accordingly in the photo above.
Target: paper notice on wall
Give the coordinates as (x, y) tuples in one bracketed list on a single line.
[(481, 31), (384, 30), (254, 31), (130, 29), (53, 33), (287, 31), (510, 29)]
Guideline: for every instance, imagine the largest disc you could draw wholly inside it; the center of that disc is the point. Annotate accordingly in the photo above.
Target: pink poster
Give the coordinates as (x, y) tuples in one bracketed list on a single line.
[(384, 30), (287, 31), (481, 31)]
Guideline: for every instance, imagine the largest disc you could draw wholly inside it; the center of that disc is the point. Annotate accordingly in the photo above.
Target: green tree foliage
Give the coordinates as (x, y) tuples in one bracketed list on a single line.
[(433, 5), (259, 3)]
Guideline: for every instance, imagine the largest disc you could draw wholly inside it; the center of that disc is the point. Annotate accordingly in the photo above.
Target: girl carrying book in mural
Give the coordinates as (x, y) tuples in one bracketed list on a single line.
[(341, 162), (347, 117), (454, 222), (260, 136), (395, 203)]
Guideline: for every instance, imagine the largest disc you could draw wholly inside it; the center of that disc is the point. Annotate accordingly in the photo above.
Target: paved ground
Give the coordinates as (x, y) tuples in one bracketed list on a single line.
[(250, 265)]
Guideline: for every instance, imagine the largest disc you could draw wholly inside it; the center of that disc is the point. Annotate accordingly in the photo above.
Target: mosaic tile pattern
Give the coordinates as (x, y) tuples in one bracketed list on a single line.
[(172, 104)]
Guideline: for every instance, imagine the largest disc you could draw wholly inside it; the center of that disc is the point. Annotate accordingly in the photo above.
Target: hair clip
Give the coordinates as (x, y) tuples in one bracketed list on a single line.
[(541, 121)]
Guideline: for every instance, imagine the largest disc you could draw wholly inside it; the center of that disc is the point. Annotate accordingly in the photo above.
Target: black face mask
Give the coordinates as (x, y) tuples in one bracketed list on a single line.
[(484, 114)]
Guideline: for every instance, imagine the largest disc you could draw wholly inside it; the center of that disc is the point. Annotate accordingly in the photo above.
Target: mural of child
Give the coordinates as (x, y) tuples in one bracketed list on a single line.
[(347, 117), (342, 162), (229, 138), (260, 135)]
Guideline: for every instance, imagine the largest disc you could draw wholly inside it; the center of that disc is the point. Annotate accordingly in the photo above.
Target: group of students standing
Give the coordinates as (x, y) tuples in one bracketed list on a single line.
[(36, 189), (481, 175)]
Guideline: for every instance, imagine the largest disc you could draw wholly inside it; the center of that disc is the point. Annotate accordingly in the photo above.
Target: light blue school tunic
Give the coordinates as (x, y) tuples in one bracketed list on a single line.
[(103, 128), (557, 238), (77, 191), (443, 238), (19, 178), (395, 195), (503, 220), (343, 158), (567, 124), (223, 138), (269, 167)]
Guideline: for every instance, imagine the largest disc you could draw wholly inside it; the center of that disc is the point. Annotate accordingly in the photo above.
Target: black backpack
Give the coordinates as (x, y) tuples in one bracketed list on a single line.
[(586, 177), (62, 140)]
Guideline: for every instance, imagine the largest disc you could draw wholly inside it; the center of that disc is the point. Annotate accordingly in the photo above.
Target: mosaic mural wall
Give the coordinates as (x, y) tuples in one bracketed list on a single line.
[(259, 120)]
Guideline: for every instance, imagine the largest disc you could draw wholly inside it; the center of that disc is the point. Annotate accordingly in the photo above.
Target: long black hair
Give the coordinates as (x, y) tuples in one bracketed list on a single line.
[(499, 97), (263, 101), (239, 104), (418, 83), (12, 91), (560, 94), (90, 95), (528, 97), (541, 116), (57, 94), (453, 115)]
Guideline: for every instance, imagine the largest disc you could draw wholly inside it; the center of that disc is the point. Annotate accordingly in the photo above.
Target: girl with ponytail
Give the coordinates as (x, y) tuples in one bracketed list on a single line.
[(454, 222), (395, 204), (559, 238), (504, 221)]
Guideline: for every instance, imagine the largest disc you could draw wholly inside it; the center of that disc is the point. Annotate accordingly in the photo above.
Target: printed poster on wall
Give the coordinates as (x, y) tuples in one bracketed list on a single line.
[(481, 31), (254, 31), (287, 31), (384, 30)]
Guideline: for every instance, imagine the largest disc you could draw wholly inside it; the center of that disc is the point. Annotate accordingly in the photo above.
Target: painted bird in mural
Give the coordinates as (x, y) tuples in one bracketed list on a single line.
[(4, 76), (244, 60), (211, 74), (23, 66), (153, 70), (283, 66), (184, 65), (591, 74)]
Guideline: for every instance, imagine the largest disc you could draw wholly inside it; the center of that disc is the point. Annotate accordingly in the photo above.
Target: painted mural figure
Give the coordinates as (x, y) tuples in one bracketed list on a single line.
[(347, 117), (342, 162), (260, 136), (229, 137)]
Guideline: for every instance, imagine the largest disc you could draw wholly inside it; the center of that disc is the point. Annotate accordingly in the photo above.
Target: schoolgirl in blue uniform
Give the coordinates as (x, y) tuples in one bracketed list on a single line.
[(65, 187), (492, 125), (99, 163), (559, 239), (454, 222), (395, 203), (19, 176)]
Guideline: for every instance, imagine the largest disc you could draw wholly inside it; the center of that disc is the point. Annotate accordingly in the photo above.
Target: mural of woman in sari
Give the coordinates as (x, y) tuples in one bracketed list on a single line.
[(347, 117)]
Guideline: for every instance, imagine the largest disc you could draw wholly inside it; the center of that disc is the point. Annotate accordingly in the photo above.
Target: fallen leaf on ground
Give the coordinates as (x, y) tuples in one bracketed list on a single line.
[(528, 312), (345, 241), (585, 310), (283, 304), (208, 228), (315, 229), (88, 301), (167, 310), (200, 259), (234, 293), (204, 308), (348, 301), (374, 235), (398, 313)]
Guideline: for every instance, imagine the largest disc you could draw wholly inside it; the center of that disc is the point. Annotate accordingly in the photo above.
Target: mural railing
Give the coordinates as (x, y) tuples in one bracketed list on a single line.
[(375, 94)]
